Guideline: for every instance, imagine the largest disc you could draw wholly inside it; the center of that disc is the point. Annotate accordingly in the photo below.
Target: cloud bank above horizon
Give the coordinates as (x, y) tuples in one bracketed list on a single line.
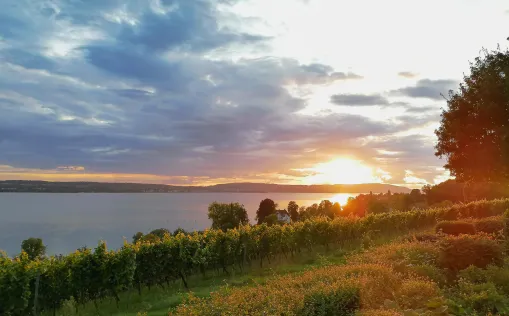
[(203, 92)]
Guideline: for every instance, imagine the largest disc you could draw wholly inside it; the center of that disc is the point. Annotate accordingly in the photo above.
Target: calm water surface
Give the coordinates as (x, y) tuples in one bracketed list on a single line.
[(66, 222)]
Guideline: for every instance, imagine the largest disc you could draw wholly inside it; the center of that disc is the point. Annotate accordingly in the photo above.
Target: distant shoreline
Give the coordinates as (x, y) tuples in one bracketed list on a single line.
[(17, 186)]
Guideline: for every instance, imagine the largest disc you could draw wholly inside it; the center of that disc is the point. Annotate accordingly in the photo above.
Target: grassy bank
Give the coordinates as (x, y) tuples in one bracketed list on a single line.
[(466, 273), (95, 277), (158, 301)]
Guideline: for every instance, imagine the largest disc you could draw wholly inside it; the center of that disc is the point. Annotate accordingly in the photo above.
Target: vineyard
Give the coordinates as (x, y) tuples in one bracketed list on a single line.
[(90, 276)]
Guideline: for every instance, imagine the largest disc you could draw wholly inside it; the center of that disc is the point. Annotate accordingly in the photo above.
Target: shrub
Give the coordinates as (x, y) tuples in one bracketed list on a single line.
[(342, 302), (506, 224), (430, 272), (455, 228), (458, 253), (417, 293), (402, 256), (481, 299), (429, 237), (496, 275), (489, 225)]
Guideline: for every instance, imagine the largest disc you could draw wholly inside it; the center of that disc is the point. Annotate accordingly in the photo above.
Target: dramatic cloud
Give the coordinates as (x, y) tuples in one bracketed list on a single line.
[(189, 92), (426, 88), (358, 99)]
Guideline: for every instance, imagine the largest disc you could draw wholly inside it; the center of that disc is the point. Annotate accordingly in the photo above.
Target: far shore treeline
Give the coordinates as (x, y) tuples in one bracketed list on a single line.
[(104, 187)]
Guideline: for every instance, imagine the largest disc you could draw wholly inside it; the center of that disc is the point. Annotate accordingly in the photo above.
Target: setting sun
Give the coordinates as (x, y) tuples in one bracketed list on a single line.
[(341, 171)]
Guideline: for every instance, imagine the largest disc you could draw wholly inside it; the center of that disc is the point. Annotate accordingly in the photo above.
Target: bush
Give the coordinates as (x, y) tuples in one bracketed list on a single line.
[(489, 225), (429, 237), (404, 257), (480, 299), (415, 294), (458, 253), (430, 272), (455, 228), (342, 302), (496, 275)]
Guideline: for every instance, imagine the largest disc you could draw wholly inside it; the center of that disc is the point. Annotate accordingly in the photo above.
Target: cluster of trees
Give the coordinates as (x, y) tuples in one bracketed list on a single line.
[(156, 235), (364, 204), (226, 216)]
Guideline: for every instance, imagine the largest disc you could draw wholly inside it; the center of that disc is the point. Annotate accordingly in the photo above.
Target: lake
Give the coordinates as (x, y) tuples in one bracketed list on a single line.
[(67, 221)]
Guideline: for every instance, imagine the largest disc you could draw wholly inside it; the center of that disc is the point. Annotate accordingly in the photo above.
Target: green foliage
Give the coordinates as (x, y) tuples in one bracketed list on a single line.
[(455, 228), (492, 274), (342, 302), (137, 237), (325, 209), (226, 216), (15, 280), (160, 232), (474, 129), (272, 219), (479, 299), (435, 307), (90, 275), (267, 207), (490, 225), (428, 237), (293, 210), (457, 253), (34, 248)]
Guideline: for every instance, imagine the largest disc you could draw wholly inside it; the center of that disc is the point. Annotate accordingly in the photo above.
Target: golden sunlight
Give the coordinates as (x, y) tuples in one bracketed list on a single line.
[(341, 171)]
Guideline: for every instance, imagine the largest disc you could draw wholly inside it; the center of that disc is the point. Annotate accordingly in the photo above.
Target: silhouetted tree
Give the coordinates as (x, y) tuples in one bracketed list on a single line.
[(474, 131), (225, 216), (180, 230), (293, 210), (267, 207), (137, 237), (160, 232), (34, 248), (336, 209)]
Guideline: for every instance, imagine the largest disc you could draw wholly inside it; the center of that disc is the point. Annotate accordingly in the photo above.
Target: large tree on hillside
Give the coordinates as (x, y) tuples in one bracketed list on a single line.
[(293, 210), (226, 216), (267, 207), (474, 131)]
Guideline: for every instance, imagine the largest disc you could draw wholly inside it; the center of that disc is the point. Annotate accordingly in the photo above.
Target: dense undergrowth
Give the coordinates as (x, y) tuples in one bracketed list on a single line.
[(90, 276), (424, 275)]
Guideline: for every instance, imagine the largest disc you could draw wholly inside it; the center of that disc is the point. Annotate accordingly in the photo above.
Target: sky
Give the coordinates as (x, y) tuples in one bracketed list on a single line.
[(199, 92)]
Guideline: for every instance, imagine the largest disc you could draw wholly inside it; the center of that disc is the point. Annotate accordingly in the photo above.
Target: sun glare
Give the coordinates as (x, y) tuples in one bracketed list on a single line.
[(341, 171)]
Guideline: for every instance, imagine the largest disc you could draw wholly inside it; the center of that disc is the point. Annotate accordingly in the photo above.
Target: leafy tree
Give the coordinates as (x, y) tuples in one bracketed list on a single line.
[(137, 237), (336, 209), (267, 207), (226, 216), (271, 220), (180, 230), (293, 209), (151, 238), (325, 209), (377, 207), (34, 248), (474, 131), (160, 232)]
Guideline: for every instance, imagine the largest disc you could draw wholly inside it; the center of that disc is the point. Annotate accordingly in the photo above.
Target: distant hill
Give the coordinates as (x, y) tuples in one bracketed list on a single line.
[(325, 188), (102, 187)]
